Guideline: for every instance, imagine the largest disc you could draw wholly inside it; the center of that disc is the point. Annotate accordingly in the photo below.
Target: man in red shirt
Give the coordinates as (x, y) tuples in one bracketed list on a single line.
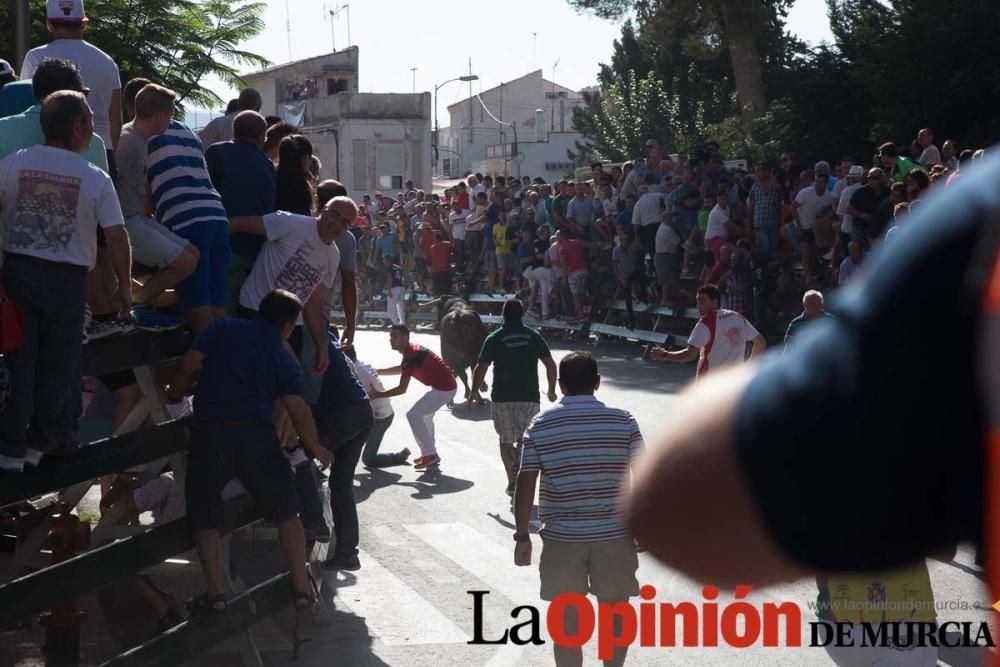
[(428, 368), (441, 264), (573, 254)]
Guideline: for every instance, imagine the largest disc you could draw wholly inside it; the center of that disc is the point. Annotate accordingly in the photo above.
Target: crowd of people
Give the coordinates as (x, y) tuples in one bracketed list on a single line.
[(639, 229)]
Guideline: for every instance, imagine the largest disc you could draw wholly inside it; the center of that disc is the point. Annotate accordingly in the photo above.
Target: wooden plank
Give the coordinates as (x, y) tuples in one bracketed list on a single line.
[(198, 634), (656, 337), (104, 457), (96, 568), (121, 353)]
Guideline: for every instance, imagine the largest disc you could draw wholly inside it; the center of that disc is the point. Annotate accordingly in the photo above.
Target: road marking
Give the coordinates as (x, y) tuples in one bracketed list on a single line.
[(435, 571), (483, 558), (393, 612), (390, 535)]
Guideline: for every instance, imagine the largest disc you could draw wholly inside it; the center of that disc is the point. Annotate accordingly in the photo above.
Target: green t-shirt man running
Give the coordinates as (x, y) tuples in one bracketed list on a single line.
[(514, 351)]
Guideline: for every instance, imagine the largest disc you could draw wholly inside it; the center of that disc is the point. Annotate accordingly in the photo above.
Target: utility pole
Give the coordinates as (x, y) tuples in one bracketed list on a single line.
[(471, 139), (333, 31), (414, 70)]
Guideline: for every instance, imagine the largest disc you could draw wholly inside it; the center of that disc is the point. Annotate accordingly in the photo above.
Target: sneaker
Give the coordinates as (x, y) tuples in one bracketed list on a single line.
[(426, 461), (99, 329), (33, 457), (145, 318), (11, 463), (346, 563), (403, 456)]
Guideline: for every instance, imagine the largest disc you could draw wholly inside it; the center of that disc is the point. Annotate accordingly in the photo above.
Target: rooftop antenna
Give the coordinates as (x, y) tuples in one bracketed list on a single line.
[(335, 13), (534, 49), (288, 29)]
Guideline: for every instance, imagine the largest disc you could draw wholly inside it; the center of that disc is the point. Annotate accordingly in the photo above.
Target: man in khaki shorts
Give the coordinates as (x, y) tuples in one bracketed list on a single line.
[(515, 351), (586, 547)]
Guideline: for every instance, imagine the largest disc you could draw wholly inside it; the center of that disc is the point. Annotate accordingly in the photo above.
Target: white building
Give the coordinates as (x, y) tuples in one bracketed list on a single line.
[(367, 141), (476, 142)]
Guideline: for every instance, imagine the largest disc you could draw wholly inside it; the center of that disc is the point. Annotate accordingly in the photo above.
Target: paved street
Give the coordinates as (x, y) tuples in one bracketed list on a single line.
[(429, 537)]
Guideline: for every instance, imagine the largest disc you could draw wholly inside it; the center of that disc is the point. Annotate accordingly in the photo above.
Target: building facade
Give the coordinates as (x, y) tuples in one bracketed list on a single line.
[(475, 140), (367, 141)]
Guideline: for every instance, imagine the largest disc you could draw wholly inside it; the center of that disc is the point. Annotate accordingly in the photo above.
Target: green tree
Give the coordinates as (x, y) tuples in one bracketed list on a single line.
[(177, 43), (704, 29), (630, 111)]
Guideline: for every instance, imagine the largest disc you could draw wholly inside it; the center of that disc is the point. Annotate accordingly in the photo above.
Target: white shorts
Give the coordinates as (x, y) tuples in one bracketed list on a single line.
[(152, 243)]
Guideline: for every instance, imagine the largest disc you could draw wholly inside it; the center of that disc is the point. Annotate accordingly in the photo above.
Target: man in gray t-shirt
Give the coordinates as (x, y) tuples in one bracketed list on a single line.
[(625, 258), (153, 244)]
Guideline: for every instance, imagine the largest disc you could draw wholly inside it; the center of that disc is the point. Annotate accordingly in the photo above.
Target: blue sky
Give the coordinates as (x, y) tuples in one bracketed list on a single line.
[(438, 37)]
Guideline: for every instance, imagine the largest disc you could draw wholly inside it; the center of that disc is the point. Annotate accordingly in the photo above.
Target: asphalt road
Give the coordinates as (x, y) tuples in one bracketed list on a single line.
[(430, 537)]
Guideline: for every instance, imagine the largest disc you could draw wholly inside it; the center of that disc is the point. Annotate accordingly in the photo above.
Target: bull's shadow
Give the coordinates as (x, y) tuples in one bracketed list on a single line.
[(479, 413)]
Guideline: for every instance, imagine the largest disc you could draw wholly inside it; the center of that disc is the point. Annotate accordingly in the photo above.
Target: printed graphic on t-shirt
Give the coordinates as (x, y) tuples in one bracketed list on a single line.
[(299, 276), (46, 211)]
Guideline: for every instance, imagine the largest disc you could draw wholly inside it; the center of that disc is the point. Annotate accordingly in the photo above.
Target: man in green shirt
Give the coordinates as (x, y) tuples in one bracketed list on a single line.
[(515, 350), (896, 166), (812, 310)]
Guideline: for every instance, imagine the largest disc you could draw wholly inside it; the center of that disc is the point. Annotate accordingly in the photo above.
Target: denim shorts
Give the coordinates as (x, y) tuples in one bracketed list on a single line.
[(207, 285)]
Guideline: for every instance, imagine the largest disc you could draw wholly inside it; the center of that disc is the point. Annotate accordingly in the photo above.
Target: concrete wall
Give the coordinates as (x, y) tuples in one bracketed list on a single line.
[(271, 82), (535, 158)]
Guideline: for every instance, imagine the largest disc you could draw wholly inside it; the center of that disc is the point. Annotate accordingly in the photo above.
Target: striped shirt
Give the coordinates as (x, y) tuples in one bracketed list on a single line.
[(583, 450), (183, 193)]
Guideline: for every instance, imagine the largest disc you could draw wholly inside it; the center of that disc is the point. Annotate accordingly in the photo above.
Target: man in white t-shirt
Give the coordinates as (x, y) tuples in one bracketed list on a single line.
[(457, 221), (301, 256), (812, 206), (383, 412), (719, 226), (67, 22), (52, 202), (854, 176), (667, 258), (719, 339)]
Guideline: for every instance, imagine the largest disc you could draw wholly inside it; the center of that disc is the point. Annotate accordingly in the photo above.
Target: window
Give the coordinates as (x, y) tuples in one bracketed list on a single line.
[(389, 166), (390, 182), (334, 86)]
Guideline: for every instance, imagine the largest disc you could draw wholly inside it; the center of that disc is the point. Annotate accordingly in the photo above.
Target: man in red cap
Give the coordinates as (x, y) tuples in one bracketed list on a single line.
[(67, 22)]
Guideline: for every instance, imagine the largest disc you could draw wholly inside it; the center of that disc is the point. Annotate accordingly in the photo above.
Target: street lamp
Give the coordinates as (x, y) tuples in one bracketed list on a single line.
[(464, 77)]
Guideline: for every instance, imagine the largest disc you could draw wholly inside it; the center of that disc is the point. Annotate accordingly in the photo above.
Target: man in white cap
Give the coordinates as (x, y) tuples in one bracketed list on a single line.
[(67, 23)]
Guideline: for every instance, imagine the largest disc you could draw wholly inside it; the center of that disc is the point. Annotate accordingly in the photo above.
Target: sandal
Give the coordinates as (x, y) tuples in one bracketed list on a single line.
[(167, 621), (302, 600), (206, 603)]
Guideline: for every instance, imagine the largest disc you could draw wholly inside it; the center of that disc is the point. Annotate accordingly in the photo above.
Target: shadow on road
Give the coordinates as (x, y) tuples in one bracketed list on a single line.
[(479, 413), (372, 479), (432, 482)]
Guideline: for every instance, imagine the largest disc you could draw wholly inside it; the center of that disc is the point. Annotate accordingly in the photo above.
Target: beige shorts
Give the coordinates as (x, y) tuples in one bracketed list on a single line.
[(511, 419), (606, 569)]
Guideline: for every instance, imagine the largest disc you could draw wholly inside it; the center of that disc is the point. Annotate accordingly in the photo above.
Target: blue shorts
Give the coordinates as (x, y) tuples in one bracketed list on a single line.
[(808, 235), (207, 285)]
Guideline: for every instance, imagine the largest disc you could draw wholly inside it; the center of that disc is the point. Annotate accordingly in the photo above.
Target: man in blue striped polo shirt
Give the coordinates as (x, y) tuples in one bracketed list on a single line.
[(584, 451), (186, 202)]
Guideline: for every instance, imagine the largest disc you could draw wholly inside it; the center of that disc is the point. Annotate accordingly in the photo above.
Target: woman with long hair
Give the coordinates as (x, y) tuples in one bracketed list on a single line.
[(295, 191)]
